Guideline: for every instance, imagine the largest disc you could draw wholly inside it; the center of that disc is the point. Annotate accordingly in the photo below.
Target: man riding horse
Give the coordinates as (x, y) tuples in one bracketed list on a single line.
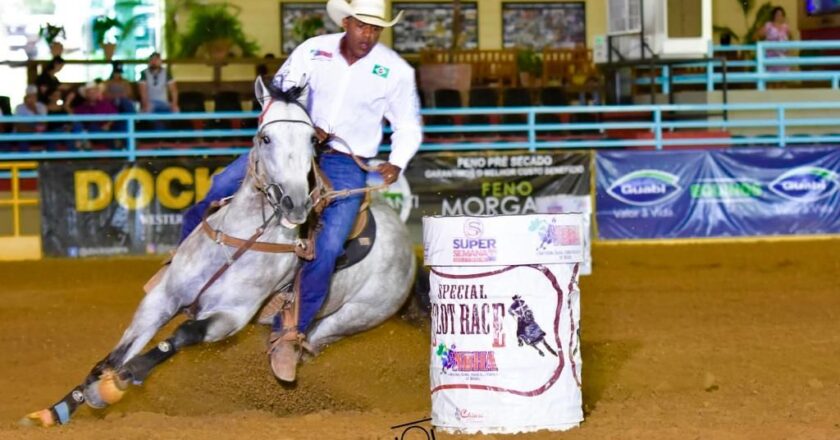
[(354, 83)]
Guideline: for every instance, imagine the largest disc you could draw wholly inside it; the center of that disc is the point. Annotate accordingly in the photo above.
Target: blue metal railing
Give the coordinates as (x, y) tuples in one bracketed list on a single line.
[(759, 73), (642, 126)]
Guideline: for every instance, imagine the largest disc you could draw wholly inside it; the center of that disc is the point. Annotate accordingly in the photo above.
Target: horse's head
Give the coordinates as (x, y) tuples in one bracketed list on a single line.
[(283, 152)]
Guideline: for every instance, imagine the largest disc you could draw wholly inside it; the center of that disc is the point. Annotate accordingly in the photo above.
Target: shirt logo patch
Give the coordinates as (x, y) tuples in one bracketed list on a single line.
[(381, 71), (318, 53)]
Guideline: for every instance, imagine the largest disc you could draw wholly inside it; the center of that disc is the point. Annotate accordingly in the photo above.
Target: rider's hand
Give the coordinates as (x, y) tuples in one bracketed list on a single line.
[(321, 135), (389, 172)]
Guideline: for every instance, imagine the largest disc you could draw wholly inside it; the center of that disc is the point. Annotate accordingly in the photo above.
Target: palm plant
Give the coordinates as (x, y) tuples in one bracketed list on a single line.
[(215, 28), (762, 15)]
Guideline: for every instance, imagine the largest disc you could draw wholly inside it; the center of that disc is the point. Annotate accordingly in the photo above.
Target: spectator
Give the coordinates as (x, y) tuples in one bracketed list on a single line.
[(56, 106), (47, 81), (158, 91), (96, 104), (118, 90), (776, 30), (30, 107)]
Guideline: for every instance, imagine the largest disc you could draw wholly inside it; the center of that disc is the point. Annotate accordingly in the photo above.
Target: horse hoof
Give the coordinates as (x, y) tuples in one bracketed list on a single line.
[(42, 418), (108, 390)]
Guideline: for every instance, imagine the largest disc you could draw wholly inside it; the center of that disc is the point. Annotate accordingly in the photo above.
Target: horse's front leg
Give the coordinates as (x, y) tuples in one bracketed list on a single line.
[(211, 328), (155, 310)]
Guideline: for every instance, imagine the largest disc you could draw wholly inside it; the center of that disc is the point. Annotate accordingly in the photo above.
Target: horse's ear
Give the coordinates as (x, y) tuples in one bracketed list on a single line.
[(261, 91), (303, 98)]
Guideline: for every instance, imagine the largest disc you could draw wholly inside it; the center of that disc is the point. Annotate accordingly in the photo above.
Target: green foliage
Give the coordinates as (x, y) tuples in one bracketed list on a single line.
[(307, 27), (103, 24), (213, 22), (527, 60), (761, 16), (50, 32)]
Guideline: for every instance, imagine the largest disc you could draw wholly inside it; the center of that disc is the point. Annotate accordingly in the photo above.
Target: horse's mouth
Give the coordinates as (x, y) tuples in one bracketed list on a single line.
[(286, 223)]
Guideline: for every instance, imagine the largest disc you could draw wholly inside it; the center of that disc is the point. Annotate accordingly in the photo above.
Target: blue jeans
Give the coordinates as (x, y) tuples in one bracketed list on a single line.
[(224, 185), (333, 229), (160, 107)]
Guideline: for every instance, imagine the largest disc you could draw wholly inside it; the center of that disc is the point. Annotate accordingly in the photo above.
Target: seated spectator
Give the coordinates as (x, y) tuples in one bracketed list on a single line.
[(158, 90), (30, 107), (119, 91), (47, 82), (58, 106), (96, 104)]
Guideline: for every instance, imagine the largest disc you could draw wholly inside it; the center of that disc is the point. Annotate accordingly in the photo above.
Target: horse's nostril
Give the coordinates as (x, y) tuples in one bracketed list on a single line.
[(286, 203)]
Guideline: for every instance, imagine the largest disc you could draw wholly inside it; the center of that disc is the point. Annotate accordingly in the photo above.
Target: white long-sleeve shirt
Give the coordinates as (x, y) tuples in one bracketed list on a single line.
[(351, 101)]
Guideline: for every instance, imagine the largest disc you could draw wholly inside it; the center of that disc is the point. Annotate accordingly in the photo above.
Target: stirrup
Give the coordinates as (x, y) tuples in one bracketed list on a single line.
[(273, 306)]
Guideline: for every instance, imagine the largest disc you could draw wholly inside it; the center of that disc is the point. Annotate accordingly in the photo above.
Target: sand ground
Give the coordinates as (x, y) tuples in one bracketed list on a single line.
[(710, 341)]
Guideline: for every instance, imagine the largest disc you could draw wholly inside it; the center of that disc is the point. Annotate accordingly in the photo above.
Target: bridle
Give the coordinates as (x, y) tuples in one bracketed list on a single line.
[(273, 192)]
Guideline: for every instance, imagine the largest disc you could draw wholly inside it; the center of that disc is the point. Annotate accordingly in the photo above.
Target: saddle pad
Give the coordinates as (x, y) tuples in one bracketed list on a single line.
[(357, 248)]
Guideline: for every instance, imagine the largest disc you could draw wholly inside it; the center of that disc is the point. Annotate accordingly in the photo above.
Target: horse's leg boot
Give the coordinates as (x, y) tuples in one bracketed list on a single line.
[(284, 354)]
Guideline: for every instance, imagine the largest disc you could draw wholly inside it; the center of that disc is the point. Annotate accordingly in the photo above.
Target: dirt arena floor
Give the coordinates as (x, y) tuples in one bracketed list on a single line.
[(712, 341)]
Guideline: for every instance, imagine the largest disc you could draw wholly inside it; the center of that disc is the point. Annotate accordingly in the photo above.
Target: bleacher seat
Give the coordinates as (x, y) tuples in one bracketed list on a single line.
[(516, 97)]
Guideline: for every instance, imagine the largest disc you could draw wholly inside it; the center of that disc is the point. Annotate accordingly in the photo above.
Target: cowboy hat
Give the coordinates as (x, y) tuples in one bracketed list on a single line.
[(367, 11)]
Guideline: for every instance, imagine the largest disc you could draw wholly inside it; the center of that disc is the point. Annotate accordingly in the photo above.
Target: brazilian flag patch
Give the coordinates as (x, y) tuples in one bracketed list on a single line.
[(381, 71)]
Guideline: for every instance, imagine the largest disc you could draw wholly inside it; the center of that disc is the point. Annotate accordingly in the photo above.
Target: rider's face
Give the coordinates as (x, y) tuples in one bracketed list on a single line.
[(360, 38)]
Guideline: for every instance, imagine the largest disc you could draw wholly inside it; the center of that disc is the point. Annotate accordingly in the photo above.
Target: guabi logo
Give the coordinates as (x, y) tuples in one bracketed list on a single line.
[(806, 184), (645, 187)]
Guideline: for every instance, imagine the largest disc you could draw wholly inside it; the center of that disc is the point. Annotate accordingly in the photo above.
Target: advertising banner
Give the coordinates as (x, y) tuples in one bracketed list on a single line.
[(499, 183), (505, 347), (112, 207), (738, 192)]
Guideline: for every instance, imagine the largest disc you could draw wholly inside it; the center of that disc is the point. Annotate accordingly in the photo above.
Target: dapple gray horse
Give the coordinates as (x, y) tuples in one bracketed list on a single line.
[(279, 183)]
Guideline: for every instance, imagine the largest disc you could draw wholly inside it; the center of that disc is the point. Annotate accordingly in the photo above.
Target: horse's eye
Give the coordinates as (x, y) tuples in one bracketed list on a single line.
[(266, 139), (314, 140)]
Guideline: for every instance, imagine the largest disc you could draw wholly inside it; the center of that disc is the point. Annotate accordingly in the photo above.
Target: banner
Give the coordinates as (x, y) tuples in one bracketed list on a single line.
[(498, 183), (112, 207), (712, 193)]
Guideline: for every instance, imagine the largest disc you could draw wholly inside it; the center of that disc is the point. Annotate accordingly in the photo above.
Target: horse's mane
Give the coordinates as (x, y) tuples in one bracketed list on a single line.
[(290, 95)]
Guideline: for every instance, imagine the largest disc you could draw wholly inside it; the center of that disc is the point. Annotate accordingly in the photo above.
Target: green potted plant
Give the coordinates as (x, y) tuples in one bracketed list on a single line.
[(307, 27), (214, 30), (530, 66), (762, 15), (108, 32), (50, 34)]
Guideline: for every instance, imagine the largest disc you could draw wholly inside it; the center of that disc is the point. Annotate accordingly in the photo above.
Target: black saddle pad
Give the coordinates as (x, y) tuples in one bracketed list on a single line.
[(356, 250)]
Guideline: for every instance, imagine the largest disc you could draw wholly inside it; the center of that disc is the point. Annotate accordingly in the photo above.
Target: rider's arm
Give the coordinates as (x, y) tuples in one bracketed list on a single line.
[(404, 115)]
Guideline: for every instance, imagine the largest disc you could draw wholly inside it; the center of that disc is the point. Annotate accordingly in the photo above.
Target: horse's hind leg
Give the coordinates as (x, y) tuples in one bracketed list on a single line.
[(350, 319), (548, 347), (538, 349)]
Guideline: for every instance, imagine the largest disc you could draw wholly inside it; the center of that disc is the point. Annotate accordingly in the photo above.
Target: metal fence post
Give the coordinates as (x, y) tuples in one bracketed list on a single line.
[(780, 119), (657, 128), (759, 66), (132, 141), (532, 130)]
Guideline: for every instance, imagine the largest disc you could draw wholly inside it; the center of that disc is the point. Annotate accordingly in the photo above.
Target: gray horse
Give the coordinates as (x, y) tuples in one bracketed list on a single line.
[(278, 186)]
